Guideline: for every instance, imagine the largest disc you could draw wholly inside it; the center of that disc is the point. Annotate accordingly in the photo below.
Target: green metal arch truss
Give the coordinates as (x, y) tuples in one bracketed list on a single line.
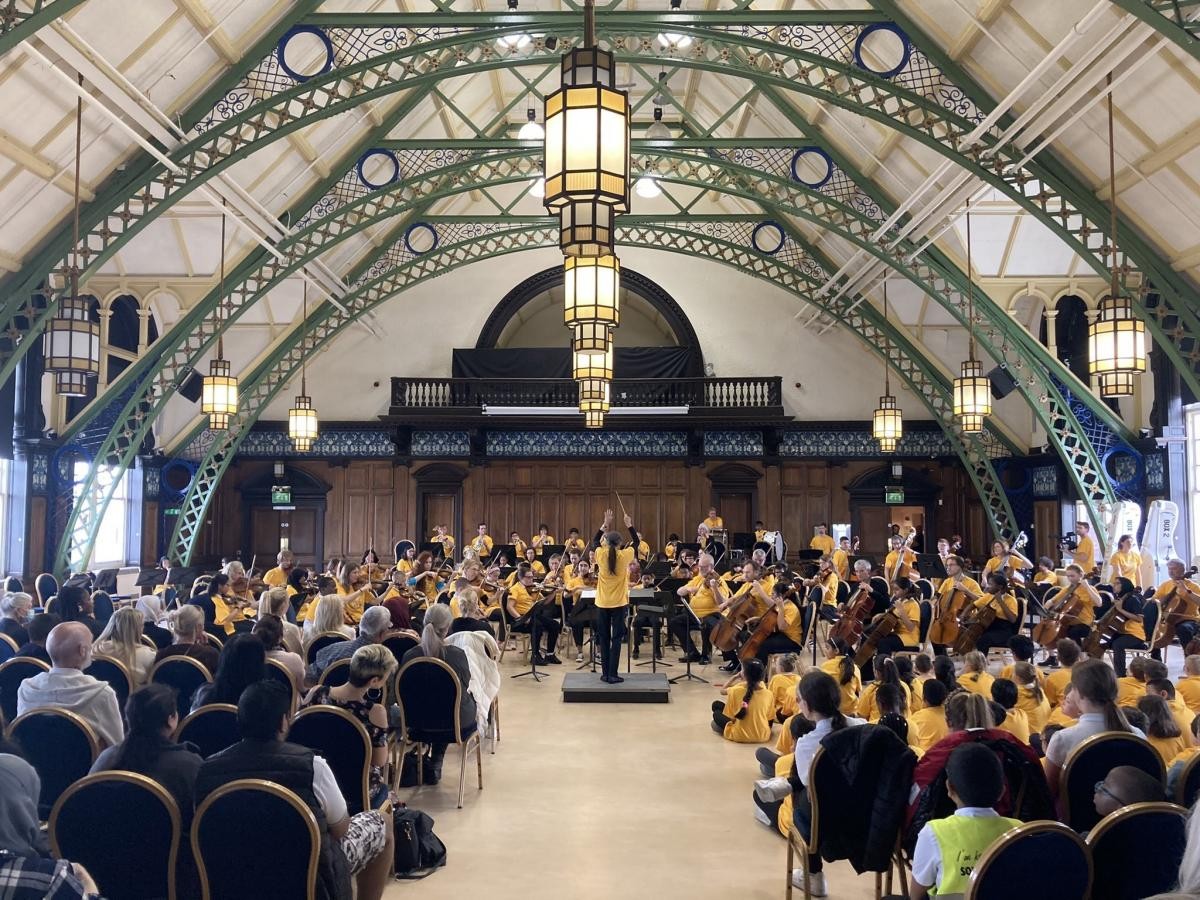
[(274, 373), (1040, 188)]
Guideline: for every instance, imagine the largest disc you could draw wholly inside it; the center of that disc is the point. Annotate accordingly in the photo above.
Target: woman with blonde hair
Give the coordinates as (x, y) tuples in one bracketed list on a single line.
[(975, 677), (330, 615), (275, 602), (122, 640), (469, 617)]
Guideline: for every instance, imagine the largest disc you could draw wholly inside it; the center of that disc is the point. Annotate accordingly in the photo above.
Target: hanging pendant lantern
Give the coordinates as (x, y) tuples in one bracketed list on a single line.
[(302, 418), (594, 395), (972, 391), (219, 390), (888, 445), (592, 363), (591, 290), (591, 337), (887, 423), (593, 420), (71, 343)]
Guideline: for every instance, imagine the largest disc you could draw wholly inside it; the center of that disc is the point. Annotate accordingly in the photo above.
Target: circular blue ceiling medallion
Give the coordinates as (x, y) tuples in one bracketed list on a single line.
[(175, 478), (420, 238), (377, 168), (768, 237), (305, 52), (887, 45), (812, 167)]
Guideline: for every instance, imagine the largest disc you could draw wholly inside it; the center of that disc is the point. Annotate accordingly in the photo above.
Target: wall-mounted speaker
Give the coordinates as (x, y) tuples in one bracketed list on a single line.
[(1002, 381)]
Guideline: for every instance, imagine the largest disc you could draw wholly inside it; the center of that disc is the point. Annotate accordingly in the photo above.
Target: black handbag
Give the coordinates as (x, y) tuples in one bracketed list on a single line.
[(418, 850)]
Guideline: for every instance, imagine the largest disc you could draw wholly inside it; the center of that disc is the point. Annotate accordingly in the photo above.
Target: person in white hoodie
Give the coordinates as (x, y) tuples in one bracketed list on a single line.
[(65, 686)]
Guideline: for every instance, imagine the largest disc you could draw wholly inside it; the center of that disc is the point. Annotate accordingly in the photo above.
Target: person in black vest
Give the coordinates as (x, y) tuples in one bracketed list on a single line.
[(359, 845)]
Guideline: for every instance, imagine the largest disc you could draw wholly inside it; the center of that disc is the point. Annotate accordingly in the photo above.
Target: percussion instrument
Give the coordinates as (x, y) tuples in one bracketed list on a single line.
[(776, 548)]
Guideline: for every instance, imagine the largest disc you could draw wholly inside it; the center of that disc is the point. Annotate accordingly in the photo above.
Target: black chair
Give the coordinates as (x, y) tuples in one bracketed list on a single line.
[(430, 697), (184, 674), (401, 548), (45, 586), (1091, 761), (99, 818), (926, 621), (272, 820), (115, 674), (102, 606), (211, 728), (336, 674), (277, 671), (1136, 851), (1057, 855), (925, 586), (1188, 787), (400, 644), (8, 648), (843, 592), (320, 642), (12, 673), (60, 745), (13, 584), (338, 736)]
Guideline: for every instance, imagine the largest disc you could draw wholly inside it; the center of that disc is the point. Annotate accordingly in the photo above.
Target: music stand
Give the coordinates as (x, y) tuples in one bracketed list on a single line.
[(658, 604), (687, 675), (151, 578), (808, 558), (436, 549), (533, 648), (694, 548), (660, 569), (743, 540), (182, 577), (930, 565), (106, 580), (590, 595)]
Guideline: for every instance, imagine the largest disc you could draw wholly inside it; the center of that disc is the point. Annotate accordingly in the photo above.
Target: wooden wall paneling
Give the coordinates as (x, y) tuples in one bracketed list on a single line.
[(1046, 526), (335, 512), (357, 525), (35, 545), (149, 548)]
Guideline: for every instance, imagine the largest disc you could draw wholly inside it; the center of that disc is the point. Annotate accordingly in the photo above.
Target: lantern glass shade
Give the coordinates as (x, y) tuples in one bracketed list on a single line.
[(302, 423), (593, 419), (591, 337), (587, 228), (1116, 347), (972, 397), (219, 395), (888, 422), (591, 290), (592, 363), (71, 346), (888, 445), (594, 395), (587, 134)]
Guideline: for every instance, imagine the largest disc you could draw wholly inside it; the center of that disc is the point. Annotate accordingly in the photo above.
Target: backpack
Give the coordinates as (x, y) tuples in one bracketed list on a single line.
[(418, 850)]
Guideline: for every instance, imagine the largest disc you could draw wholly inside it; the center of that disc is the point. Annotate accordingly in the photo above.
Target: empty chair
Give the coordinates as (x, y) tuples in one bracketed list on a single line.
[(45, 586), (12, 673), (211, 728), (60, 745), (339, 737), (337, 674), (272, 820), (400, 644), (1091, 761), (98, 821), (320, 642), (13, 584), (184, 674), (1136, 851), (1035, 861), (114, 673), (8, 648)]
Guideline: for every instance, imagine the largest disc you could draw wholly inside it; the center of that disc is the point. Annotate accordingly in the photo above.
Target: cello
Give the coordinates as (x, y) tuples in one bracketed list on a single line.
[(1175, 609), (944, 628), (1107, 625), (725, 633), (973, 625), (883, 627), (1062, 613), (1015, 576), (849, 628)]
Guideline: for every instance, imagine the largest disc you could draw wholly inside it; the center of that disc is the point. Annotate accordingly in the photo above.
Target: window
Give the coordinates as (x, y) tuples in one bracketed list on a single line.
[(1192, 421), (109, 550), (5, 508)]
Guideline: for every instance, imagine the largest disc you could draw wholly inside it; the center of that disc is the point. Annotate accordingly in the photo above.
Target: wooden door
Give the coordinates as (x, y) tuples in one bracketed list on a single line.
[(270, 528), (438, 509), (265, 534), (1046, 529), (874, 527), (304, 537)]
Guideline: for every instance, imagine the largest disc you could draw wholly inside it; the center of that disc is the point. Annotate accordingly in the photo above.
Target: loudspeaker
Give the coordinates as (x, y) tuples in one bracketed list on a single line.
[(193, 386), (1002, 381)]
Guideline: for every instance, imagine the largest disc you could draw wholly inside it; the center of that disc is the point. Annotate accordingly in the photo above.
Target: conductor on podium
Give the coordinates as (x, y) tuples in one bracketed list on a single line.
[(612, 592)]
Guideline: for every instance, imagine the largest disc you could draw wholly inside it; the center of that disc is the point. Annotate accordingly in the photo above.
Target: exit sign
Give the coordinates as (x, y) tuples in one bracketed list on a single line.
[(893, 494), (281, 495)]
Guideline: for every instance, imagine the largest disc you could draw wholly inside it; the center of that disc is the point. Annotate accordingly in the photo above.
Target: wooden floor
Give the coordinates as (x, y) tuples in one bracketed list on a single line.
[(595, 801)]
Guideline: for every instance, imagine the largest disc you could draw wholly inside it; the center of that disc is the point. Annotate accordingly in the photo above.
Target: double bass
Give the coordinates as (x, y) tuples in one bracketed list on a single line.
[(1014, 576)]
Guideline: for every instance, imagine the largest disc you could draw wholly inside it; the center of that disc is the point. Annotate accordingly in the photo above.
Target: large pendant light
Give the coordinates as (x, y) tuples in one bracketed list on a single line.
[(587, 147), (71, 343), (591, 289), (302, 418), (593, 420), (219, 390), (972, 390), (1116, 339), (887, 424), (592, 363)]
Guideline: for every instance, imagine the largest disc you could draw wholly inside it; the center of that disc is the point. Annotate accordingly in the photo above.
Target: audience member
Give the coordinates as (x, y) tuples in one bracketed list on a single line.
[(73, 603), (1162, 731), (40, 627), (372, 628), (269, 630), (154, 620), (1188, 686), (1055, 685), (65, 686), (276, 602), (242, 662), (15, 612), (928, 724), (469, 618), (121, 640), (1123, 786), (975, 677), (190, 639), (326, 615), (1165, 688), (1014, 719), (1031, 696)]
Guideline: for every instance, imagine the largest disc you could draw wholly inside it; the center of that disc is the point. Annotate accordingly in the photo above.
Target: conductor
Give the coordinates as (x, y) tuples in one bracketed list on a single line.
[(612, 592)]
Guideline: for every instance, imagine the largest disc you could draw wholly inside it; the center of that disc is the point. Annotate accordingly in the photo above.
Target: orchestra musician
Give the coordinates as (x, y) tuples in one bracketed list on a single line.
[(580, 614), (441, 535), (943, 549), (642, 551), (406, 562), (1126, 561), (644, 620), (543, 538), (530, 556), (1004, 556), (573, 558), (1045, 573), (704, 538), (905, 605), (789, 625), (1080, 594), (278, 576), (958, 580), (425, 582), (1005, 625), (1132, 634), (822, 540), (1084, 554), (685, 567), (612, 593), (896, 542), (574, 541), (712, 520), (482, 543), (752, 584), (841, 559), (760, 531), (519, 546), (1179, 587), (827, 579), (704, 593), (529, 613)]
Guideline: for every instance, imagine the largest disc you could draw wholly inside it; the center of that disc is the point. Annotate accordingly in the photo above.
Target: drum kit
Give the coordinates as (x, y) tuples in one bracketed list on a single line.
[(775, 546)]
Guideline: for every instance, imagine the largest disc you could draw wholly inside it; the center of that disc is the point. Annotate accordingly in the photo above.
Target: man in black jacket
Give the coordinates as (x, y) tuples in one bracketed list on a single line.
[(359, 845)]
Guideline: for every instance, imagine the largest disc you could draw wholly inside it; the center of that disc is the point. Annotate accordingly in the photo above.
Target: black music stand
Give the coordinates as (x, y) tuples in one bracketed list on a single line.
[(679, 548), (930, 565), (548, 550), (533, 650), (660, 606), (660, 569), (436, 549), (106, 580), (151, 578), (687, 675), (508, 551), (808, 558), (591, 661)]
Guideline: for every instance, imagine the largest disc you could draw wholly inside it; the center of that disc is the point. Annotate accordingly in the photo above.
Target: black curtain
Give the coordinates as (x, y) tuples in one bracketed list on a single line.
[(555, 362)]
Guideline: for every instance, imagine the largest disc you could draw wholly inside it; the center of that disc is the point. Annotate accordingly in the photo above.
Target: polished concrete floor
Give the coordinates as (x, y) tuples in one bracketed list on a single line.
[(589, 801)]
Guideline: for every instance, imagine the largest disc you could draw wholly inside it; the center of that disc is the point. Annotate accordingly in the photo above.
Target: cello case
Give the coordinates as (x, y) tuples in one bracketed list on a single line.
[(1158, 542)]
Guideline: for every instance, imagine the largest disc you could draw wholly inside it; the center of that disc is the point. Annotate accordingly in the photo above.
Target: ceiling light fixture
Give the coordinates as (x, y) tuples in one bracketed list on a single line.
[(972, 396)]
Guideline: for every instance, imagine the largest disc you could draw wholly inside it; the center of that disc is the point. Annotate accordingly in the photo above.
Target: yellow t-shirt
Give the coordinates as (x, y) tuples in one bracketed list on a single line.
[(850, 690), (910, 636), (1041, 577), (1016, 723), (1126, 565), (1169, 748), (977, 683), (1037, 713), (519, 548), (1188, 687), (544, 540), (1130, 690), (275, 577), (1182, 715), (822, 542), (756, 602), (714, 522), (575, 543), (841, 563), (521, 599), (755, 726), (1007, 672), (1085, 554), (612, 589), (910, 560), (867, 707), (1081, 599), (928, 726), (1058, 717), (1188, 610), (482, 545), (783, 768), (1006, 606), (793, 624), (785, 743), (1055, 685), (704, 601), (830, 584), (783, 689), (404, 566), (969, 584)]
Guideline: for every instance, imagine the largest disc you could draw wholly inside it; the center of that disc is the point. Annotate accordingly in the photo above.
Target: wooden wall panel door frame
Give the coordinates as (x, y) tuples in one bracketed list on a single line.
[(443, 478), (308, 492), (867, 490)]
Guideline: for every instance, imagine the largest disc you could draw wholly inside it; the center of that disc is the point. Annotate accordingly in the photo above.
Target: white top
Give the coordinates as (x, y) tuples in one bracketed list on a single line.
[(806, 747), (292, 662), (329, 795), (70, 689), (1068, 739), (927, 856)]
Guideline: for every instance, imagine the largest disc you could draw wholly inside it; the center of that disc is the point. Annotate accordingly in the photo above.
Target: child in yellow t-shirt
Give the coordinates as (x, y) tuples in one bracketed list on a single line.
[(928, 725), (783, 686), (1016, 721), (1188, 686), (745, 716), (1030, 696)]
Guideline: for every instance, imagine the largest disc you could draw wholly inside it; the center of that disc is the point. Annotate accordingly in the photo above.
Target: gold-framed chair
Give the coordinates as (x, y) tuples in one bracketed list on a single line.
[(252, 812), (12, 673), (1091, 761), (319, 642), (98, 818), (183, 673), (212, 728), (1187, 789), (8, 648), (342, 740), (60, 745), (336, 674), (115, 674), (277, 671), (1136, 851), (1027, 848)]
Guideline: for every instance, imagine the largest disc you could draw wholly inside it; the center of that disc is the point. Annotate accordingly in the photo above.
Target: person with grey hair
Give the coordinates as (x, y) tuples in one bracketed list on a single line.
[(375, 623), (191, 639), (704, 594), (1180, 586), (433, 645), (16, 609)]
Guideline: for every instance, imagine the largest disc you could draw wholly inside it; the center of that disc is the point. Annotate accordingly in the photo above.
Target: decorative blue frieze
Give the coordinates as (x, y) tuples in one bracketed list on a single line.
[(598, 444), (848, 442), (440, 444), (733, 443), (359, 443)]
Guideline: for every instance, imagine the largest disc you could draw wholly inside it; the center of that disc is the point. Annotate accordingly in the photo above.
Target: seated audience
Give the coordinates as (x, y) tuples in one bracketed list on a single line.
[(73, 603), (121, 640), (1123, 786), (40, 627), (276, 602), (1188, 686), (269, 630), (975, 677), (372, 629), (1165, 688), (892, 712), (1162, 731), (358, 845), (243, 661), (1023, 650), (1031, 697), (149, 748), (948, 849), (326, 614), (783, 686), (1014, 721), (885, 672), (842, 669), (65, 686), (154, 620), (15, 612), (746, 714), (928, 725), (190, 639), (370, 669), (469, 617), (1055, 685)]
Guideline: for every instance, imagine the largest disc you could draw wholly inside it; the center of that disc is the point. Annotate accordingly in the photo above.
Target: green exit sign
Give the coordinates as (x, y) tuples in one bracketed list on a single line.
[(893, 494), (172, 511), (281, 496)]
